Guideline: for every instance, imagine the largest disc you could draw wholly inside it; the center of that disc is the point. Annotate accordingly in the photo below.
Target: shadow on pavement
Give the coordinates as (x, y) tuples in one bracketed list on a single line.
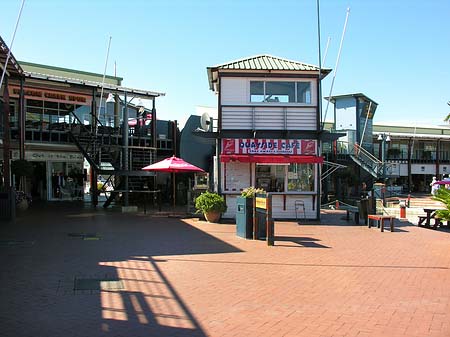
[(96, 273)]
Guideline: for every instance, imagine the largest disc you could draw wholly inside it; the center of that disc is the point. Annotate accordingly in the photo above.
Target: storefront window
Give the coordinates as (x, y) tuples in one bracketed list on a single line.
[(300, 177), (270, 177)]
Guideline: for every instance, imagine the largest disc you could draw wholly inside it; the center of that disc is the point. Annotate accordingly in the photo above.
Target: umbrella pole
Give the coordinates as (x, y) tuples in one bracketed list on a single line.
[(174, 189)]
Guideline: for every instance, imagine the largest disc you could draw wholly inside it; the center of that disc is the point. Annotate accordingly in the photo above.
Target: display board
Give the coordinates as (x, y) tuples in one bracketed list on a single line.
[(237, 176)]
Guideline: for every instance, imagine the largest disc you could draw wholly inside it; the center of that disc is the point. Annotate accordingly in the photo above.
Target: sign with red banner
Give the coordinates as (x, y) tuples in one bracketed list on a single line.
[(269, 146)]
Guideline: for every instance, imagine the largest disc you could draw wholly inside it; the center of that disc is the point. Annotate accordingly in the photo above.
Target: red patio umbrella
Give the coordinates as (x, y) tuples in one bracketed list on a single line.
[(442, 182), (172, 165)]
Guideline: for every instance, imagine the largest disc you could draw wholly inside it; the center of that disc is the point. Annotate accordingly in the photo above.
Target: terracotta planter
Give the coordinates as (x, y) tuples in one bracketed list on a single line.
[(212, 216)]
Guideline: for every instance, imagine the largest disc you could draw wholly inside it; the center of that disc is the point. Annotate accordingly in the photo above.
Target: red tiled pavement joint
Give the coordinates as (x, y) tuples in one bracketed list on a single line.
[(155, 276)]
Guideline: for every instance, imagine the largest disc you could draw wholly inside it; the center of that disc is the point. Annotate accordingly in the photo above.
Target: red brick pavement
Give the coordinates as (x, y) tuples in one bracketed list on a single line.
[(190, 278)]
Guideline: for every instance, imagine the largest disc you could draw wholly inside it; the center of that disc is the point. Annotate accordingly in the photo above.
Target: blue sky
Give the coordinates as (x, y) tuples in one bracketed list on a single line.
[(397, 52)]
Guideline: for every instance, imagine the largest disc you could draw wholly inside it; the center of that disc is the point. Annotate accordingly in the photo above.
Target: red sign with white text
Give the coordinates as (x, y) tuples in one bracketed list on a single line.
[(269, 146)]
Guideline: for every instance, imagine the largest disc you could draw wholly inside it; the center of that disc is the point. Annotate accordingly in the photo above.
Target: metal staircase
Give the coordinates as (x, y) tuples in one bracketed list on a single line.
[(103, 148), (367, 161)]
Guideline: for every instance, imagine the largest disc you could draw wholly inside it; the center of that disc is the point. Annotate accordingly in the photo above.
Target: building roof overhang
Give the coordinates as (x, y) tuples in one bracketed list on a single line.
[(12, 68), (262, 63), (106, 87)]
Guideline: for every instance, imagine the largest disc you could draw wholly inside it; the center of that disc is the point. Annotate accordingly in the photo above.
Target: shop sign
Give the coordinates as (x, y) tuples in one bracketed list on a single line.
[(52, 156), (269, 146), (51, 95)]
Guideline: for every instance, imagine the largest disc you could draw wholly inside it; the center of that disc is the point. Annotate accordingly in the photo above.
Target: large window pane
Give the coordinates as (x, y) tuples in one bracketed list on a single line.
[(280, 92), (301, 177), (304, 92), (270, 177), (256, 91)]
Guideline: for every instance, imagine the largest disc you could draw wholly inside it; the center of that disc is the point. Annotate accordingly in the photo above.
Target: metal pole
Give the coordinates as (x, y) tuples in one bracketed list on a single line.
[(12, 42), (383, 150), (125, 151), (103, 80), (337, 64)]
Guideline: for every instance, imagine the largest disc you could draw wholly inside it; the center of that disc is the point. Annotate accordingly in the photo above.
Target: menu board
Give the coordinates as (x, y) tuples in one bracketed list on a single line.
[(236, 176)]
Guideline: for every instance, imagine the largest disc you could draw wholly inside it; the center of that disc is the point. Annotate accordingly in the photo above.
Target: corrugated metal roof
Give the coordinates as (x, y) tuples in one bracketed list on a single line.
[(13, 67), (261, 63), (267, 62), (108, 87), (69, 73)]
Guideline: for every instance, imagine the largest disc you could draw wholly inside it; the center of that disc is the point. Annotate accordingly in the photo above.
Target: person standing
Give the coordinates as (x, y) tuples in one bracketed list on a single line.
[(434, 186)]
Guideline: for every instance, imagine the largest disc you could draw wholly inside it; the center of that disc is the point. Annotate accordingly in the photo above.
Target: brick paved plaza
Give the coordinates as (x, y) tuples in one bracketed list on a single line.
[(81, 272)]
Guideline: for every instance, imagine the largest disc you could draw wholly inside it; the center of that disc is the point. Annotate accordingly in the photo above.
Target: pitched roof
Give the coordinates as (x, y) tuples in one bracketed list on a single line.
[(262, 63), (266, 62)]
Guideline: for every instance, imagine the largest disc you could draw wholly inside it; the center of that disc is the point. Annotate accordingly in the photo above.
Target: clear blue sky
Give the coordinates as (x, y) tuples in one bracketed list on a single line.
[(397, 52)]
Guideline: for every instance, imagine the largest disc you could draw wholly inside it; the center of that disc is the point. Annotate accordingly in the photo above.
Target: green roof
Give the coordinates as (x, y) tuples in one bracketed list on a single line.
[(35, 68)]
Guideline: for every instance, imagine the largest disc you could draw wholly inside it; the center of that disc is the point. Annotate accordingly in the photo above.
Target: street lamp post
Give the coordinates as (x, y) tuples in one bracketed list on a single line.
[(384, 138)]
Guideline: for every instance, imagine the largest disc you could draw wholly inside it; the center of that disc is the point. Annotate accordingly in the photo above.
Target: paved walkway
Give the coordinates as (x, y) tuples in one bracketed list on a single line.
[(81, 272)]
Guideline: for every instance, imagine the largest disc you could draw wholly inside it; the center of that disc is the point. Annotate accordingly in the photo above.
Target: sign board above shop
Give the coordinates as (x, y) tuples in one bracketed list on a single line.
[(49, 156), (269, 146), (51, 95)]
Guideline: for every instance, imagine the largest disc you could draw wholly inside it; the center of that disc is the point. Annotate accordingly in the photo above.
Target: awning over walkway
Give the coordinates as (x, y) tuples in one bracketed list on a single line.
[(270, 159)]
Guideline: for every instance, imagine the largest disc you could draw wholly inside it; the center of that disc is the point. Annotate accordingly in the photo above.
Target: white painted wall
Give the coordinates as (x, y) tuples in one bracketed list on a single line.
[(277, 207)]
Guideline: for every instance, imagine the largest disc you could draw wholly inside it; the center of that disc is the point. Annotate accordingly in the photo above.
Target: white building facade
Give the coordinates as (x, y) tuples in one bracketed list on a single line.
[(268, 133)]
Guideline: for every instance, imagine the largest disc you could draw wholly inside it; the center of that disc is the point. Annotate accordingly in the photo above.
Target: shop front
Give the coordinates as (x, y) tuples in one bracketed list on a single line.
[(287, 168), (57, 176)]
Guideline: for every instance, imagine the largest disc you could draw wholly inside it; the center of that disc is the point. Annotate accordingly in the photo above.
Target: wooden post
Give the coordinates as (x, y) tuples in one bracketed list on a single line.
[(269, 221), (255, 221)]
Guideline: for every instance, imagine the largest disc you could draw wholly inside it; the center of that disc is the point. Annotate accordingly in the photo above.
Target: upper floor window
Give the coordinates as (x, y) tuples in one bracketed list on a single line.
[(280, 91)]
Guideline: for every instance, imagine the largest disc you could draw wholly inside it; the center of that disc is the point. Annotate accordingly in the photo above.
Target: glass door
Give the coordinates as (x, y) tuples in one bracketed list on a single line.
[(57, 178)]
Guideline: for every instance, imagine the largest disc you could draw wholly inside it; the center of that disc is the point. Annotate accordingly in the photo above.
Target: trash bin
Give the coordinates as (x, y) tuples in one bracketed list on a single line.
[(7, 205), (244, 217), (363, 209), (402, 204)]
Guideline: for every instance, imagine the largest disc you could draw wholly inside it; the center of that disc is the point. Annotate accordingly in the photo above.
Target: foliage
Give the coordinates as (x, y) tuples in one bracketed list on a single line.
[(22, 168), (443, 195), (251, 191), (210, 202), (21, 195)]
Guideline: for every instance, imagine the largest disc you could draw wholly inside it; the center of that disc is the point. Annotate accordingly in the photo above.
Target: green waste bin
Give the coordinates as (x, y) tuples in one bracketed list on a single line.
[(244, 217)]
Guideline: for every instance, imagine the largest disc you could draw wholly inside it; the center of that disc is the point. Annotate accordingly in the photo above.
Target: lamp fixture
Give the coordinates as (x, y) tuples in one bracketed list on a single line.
[(380, 137), (388, 138)]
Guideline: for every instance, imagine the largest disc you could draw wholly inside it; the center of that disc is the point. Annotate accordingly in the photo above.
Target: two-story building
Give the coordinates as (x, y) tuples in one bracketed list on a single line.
[(269, 131)]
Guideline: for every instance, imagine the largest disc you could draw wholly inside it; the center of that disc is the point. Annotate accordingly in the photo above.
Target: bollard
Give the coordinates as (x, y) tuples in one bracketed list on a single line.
[(337, 204), (409, 200), (402, 205)]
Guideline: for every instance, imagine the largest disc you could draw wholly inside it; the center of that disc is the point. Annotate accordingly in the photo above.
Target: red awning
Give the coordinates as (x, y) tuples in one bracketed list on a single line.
[(268, 159)]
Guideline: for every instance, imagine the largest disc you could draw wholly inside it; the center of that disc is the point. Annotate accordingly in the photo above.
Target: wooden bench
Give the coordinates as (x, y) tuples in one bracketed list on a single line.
[(380, 219)]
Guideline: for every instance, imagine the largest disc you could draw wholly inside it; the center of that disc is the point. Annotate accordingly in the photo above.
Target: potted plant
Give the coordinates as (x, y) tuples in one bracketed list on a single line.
[(21, 169), (443, 195), (244, 211), (211, 204)]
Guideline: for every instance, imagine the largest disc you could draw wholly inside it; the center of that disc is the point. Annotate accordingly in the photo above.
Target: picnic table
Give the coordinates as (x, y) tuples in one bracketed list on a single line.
[(430, 214)]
